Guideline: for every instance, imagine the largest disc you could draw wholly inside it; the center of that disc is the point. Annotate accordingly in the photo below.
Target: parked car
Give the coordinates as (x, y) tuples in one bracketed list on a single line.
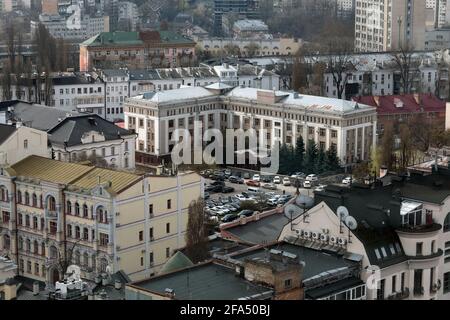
[(266, 179), (347, 180), (252, 183), (229, 218), (277, 180), (283, 199), (226, 189), (206, 195), (286, 181), (241, 197), (307, 184), (312, 177), (272, 201), (257, 177), (227, 173), (234, 179), (218, 183), (298, 175), (246, 175), (270, 186), (219, 177), (320, 188), (246, 213)]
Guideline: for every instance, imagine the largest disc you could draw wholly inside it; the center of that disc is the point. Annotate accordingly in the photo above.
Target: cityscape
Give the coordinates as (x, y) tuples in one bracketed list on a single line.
[(224, 150)]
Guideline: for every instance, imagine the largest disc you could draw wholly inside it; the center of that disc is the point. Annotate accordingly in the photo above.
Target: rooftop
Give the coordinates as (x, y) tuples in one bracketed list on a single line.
[(251, 25), (316, 261), (6, 131), (72, 130), (121, 38), (209, 281)]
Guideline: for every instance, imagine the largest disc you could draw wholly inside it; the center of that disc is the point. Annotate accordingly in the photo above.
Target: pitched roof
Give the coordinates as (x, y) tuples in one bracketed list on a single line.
[(176, 262), (71, 130), (409, 103), (49, 170), (118, 180), (6, 131)]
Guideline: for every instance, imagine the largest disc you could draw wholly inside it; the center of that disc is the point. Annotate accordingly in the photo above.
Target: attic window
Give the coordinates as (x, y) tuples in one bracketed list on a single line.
[(383, 251), (391, 247), (377, 253), (397, 246)]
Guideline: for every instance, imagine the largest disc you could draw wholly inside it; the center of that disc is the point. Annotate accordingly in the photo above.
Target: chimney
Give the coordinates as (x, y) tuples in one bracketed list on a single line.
[(417, 98), (118, 285), (377, 100), (10, 289)]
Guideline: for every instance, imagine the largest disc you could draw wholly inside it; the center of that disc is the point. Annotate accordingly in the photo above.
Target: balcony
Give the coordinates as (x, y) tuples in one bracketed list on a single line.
[(423, 228)]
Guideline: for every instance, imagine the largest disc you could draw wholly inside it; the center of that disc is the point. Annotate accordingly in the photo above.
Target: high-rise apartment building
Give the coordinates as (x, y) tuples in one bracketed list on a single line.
[(384, 25)]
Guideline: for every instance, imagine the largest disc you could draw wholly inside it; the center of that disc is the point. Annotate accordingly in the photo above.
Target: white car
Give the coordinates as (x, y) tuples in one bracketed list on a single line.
[(272, 201), (347, 180), (241, 197), (286, 181), (307, 184), (312, 177), (256, 177), (320, 188), (277, 180)]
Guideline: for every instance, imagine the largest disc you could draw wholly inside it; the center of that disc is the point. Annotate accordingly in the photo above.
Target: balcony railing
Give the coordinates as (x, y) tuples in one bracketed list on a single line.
[(423, 228), (399, 295)]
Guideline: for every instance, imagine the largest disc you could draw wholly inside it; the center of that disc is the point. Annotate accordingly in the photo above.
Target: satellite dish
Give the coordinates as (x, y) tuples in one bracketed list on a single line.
[(304, 201), (292, 210), (74, 272), (342, 213), (351, 223)]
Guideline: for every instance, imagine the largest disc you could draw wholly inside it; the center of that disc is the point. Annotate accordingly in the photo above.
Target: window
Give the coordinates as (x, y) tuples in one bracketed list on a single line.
[(5, 217), (53, 252), (51, 203), (85, 211), (141, 235), (447, 282), (418, 282), (77, 209), (394, 284), (167, 252), (27, 221), (25, 144), (142, 261), (151, 234), (85, 234), (288, 283), (6, 242), (419, 246), (69, 231), (19, 218), (35, 223), (69, 207), (34, 200), (151, 257), (150, 209), (27, 198), (447, 223), (3, 194), (77, 232), (380, 290), (43, 249), (169, 204), (104, 239), (35, 247), (19, 197), (167, 227), (29, 266)]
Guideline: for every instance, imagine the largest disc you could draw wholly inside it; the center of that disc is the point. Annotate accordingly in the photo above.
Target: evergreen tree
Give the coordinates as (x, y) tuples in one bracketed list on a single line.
[(286, 159), (311, 157), (299, 154), (331, 159), (321, 163)]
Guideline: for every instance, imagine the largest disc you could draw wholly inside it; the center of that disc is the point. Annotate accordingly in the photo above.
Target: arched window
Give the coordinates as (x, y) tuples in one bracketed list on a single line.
[(102, 215), (103, 264), (34, 197), (51, 203), (6, 242), (447, 223), (85, 259), (3, 194), (43, 248), (126, 145), (77, 209), (85, 211), (69, 207), (69, 231), (20, 243), (35, 247), (19, 197), (35, 223), (53, 252), (77, 232), (85, 234), (28, 245), (27, 199), (41, 205), (27, 221)]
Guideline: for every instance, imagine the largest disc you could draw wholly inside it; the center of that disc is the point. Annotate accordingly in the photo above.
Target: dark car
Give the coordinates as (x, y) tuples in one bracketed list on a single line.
[(234, 179), (229, 217), (226, 189), (213, 188), (252, 183), (266, 179), (218, 177), (246, 213), (218, 183)]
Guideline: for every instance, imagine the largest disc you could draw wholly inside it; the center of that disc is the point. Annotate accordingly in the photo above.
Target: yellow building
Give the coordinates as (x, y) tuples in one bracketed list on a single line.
[(99, 219)]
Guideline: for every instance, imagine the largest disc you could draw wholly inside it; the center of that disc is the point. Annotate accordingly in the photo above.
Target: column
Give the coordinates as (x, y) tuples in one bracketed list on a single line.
[(327, 138), (166, 136), (363, 143), (356, 142), (241, 121), (316, 134), (294, 134), (229, 120), (374, 134), (157, 136)]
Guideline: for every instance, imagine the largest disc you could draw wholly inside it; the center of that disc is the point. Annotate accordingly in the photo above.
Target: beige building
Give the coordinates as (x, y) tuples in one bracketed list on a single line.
[(347, 126), (385, 25), (18, 142), (104, 220)]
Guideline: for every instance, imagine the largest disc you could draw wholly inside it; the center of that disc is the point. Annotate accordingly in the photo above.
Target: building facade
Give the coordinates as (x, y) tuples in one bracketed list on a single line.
[(347, 126), (136, 50), (102, 220), (385, 25)]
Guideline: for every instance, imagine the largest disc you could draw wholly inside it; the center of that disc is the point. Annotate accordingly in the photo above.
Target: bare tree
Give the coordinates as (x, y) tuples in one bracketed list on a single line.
[(407, 67), (196, 233)]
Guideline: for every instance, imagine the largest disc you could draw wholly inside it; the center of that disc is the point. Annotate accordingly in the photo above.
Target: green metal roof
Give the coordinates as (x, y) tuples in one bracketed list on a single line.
[(176, 262)]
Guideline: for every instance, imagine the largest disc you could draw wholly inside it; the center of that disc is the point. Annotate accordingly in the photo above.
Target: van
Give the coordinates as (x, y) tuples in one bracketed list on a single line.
[(253, 190)]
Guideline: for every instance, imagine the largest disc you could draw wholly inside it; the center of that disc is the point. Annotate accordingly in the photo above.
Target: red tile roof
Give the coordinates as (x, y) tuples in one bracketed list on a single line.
[(408, 103)]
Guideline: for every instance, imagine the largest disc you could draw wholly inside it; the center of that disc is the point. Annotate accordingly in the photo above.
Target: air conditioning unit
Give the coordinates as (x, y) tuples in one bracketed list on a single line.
[(299, 232), (315, 235), (324, 237), (333, 240), (306, 234), (342, 241)]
